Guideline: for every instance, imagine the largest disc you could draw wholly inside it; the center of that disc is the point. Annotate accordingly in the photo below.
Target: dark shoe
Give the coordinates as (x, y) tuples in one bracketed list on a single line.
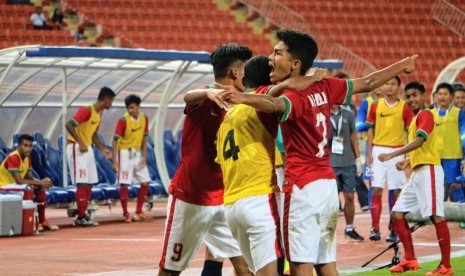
[(85, 221), (365, 208), (392, 237), (375, 235), (353, 235)]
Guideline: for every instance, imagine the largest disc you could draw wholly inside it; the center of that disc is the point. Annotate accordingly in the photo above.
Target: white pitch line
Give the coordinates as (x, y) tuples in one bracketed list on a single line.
[(436, 244), (103, 239)]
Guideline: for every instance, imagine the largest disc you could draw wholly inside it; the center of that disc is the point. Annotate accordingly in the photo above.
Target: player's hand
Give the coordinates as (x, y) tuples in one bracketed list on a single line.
[(46, 182), (409, 64), (232, 97), (463, 166), (359, 166), (369, 160), (317, 73), (107, 153), (384, 157), (215, 96), (116, 167), (83, 148), (142, 163), (300, 83), (402, 165)]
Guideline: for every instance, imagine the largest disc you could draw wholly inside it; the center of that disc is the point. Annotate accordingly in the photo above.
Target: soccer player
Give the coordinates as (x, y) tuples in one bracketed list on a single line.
[(16, 170), (425, 187), (311, 204), (82, 130), (343, 145), (459, 95), (130, 155), (195, 206), (450, 122), (389, 117)]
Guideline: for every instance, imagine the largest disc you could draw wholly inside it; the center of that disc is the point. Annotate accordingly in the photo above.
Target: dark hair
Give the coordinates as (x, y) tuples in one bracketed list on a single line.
[(257, 72), (398, 80), (132, 99), (458, 86), (446, 86), (415, 85), (301, 46), (226, 55), (105, 93), (26, 137)]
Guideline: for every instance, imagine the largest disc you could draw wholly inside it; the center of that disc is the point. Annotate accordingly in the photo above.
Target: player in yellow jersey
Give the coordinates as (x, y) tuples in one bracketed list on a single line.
[(130, 155), (15, 173), (82, 130), (389, 118), (424, 190)]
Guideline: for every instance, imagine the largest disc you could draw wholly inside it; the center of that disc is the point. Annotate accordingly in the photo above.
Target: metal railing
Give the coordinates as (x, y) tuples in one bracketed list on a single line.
[(449, 15), (284, 17)]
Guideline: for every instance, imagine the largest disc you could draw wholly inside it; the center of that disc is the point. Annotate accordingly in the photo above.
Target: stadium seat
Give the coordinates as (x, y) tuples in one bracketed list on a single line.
[(152, 164), (170, 151)]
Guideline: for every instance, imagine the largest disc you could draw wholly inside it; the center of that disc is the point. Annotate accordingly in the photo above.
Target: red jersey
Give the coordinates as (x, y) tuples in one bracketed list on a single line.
[(198, 179), (305, 126)]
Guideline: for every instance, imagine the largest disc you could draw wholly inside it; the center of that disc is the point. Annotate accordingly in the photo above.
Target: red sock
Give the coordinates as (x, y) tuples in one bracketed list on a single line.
[(123, 197), (376, 208), (144, 188), (443, 235), (403, 231), (81, 200), (41, 199)]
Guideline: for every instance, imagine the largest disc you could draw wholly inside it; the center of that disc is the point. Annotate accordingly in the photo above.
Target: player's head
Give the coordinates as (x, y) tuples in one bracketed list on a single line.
[(228, 63), (459, 95), (257, 72), (444, 94), (106, 97), (25, 144), (293, 55), (132, 103), (392, 86), (414, 93)]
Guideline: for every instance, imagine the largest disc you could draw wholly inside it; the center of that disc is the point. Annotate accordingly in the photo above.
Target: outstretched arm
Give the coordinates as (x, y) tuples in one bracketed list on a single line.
[(197, 96), (378, 78), (264, 103), (416, 143), (299, 83)]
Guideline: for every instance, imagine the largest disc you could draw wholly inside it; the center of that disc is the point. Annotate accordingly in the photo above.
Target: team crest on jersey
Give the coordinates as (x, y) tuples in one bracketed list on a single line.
[(318, 99)]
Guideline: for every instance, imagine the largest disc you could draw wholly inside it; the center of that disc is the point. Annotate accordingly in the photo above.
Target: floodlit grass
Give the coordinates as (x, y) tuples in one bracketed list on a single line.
[(457, 264)]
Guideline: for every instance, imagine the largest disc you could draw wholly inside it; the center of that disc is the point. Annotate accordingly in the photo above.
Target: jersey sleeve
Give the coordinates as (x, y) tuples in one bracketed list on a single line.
[(120, 129), (407, 115), (294, 105), (82, 115), (339, 90), (371, 118), (146, 130), (360, 123), (424, 124), (12, 163)]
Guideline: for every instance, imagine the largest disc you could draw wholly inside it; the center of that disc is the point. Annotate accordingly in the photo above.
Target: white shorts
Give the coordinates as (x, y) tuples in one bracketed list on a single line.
[(386, 172), (254, 223), (82, 165), (309, 222), (280, 177), (187, 227), (129, 169), (424, 193)]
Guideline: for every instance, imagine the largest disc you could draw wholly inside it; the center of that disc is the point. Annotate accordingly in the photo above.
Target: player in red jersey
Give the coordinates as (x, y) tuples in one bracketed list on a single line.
[(310, 188), (195, 207)]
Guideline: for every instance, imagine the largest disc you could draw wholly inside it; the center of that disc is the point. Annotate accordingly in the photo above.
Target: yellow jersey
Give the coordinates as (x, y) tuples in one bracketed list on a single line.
[(448, 132), (390, 123), (86, 122), (13, 164), (423, 125), (246, 153), (129, 132)]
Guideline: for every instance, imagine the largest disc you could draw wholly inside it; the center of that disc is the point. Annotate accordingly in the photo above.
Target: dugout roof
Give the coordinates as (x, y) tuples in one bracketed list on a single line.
[(39, 86)]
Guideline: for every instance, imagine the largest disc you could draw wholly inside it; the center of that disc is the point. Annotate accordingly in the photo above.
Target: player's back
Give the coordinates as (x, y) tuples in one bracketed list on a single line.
[(198, 179), (305, 127)]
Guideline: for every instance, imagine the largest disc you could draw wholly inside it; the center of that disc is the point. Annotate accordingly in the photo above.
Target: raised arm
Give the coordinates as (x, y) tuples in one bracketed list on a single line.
[(299, 83), (378, 78), (264, 103), (197, 96)]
